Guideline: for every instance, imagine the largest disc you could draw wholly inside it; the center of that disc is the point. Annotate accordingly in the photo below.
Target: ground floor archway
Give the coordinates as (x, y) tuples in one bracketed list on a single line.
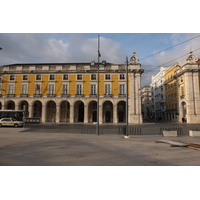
[(64, 111), (121, 111), (51, 111), (108, 112), (37, 109), (79, 111), (10, 105), (92, 111)]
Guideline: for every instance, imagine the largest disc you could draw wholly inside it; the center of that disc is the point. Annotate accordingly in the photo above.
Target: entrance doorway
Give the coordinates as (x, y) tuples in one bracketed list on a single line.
[(79, 111), (94, 116)]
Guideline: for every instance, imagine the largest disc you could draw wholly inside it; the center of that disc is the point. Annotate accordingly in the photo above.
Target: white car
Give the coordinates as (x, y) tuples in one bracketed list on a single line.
[(10, 122)]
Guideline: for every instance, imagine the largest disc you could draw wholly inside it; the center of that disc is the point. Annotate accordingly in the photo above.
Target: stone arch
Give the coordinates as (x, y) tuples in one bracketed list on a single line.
[(37, 109), (24, 104), (79, 111), (108, 112), (121, 111), (64, 111), (92, 111), (51, 111), (10, 105)]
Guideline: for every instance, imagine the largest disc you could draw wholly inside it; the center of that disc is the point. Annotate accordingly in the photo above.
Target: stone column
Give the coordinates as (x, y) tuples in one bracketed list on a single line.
[(189, 93), (71, 115), (43, 114), (30, 110), (196, 93), (85, 114), (57, 114), (115, 114)]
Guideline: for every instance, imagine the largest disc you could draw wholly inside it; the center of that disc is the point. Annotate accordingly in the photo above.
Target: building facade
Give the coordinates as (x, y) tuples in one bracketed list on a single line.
[(146, 103), (187, 76), (180, 91), (158, 95), (171, 97), (67, 92)]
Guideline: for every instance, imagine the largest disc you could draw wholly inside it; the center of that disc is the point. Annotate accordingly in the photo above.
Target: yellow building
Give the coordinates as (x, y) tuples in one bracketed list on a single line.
[(171, 100), (68, 92)]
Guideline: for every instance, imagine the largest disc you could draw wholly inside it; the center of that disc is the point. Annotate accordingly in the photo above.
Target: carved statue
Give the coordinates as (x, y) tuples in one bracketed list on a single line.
[(192, 58), (134, 59)]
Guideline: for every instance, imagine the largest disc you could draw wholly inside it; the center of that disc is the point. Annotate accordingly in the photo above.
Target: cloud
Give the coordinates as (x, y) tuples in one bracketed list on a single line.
[(175, 53), (36, 48)]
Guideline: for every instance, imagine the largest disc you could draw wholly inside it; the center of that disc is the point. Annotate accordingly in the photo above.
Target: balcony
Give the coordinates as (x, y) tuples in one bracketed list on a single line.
[(51, 95), (122, 95), (79, 95), (108, 95), (24, 95), (93, 95), (10, 95), (65, 95), (37, 95)]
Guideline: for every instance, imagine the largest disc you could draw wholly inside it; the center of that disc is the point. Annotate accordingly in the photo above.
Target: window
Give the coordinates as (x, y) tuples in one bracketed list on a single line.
[(51, 89), (79, 77), (12, 77), (52, 77), (24, 89), (107, 76), (122, 89), (121, 76), (93, 89), (37, 89), (65, 89), (11, 89), (65, 77), (25, 77), (78, 89), (107, 89), (38, 77), (182, 90), (93, 77)]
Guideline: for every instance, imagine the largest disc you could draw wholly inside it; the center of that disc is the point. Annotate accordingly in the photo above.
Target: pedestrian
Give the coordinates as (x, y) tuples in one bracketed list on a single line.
[(183, 119)]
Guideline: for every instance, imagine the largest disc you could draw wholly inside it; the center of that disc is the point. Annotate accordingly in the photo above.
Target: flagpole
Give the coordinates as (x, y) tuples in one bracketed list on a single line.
[(98, 85)]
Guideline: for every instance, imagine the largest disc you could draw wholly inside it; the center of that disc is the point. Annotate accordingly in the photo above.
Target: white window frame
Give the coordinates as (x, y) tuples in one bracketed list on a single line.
[(107, 89), (24, 89), (122, 89), (11, 89), (37, 91), (93, 89), (51, 90), (79, 89), (65, 89), (37, 78)]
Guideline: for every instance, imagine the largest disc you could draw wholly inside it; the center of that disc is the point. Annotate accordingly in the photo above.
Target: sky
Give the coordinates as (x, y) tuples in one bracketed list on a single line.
[(153, 49)]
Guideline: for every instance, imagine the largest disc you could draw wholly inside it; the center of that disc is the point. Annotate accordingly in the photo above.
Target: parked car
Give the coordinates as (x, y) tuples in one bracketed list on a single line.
[(10, 122)]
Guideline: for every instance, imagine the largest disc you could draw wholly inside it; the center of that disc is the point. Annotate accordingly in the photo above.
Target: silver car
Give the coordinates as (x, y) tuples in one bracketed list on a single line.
[(10, 122)]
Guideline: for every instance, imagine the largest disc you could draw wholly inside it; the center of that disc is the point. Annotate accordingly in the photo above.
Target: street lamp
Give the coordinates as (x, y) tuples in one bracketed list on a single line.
[(126, 96)]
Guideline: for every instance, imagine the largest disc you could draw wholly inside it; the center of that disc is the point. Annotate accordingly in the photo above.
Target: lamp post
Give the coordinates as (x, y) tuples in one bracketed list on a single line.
[(126, 96)]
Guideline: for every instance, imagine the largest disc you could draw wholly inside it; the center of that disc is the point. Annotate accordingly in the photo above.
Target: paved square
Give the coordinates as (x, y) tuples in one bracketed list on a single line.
[(25, 147)]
